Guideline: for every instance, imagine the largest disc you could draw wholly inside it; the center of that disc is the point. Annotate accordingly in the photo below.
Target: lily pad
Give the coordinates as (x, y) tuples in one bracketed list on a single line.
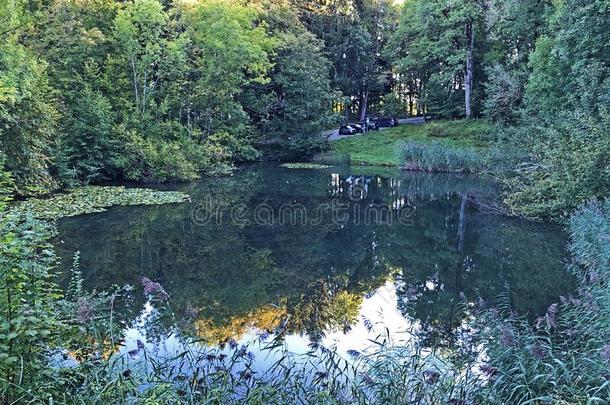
[(304, 166), (85, 200)]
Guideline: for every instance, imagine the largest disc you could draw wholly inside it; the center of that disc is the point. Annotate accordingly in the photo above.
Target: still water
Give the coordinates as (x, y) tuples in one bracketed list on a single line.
[(333, 255)]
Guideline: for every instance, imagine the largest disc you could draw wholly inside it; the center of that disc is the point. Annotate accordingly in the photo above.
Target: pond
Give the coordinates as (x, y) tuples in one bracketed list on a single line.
[(334, 256)]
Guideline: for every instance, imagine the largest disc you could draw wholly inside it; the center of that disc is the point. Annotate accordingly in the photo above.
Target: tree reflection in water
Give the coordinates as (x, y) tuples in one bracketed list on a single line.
[(228, 277)]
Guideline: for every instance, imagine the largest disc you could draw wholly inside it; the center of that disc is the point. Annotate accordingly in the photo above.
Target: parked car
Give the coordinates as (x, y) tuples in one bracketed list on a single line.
[(369, 125), (386, 122), (358, 127), (347, 130)]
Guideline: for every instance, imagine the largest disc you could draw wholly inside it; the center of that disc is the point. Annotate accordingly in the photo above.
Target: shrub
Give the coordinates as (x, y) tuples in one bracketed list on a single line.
[(437, 157), (88, 148), (158, 161), (568, 165), (504, 90), (30, 326)]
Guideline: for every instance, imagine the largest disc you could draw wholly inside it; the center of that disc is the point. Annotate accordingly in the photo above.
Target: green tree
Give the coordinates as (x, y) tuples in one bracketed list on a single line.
[(143, 44), (570, 67), (566, 122), (88, 149), (229, 51), (28, 113), (304, 96), (437, 46)]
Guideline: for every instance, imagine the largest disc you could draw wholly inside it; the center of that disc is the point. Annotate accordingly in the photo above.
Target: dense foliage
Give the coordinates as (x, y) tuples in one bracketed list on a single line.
[(160, 91), (150, 90)]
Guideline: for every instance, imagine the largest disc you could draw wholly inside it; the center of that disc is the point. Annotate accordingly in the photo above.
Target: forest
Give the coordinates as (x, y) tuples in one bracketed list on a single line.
[(166, 93), (159, 91)]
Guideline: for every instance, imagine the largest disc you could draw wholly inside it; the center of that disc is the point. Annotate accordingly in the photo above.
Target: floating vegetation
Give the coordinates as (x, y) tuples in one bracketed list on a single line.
[(304, 166), (89, 199)]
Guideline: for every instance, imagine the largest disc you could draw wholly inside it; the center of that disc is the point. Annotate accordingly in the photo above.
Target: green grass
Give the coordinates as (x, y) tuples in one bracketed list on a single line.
[(380, 148)]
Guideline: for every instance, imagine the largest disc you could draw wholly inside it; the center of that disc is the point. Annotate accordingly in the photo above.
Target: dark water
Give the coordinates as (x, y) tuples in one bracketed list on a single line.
[(326, 252)]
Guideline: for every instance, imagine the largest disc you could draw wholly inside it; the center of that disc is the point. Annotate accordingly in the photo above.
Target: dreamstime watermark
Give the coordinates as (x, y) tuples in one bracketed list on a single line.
[(355, 209)]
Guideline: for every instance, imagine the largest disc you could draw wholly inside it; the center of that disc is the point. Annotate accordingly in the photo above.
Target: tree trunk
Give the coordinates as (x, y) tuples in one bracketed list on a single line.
[(468, 79), (346, 113), (363, 106)]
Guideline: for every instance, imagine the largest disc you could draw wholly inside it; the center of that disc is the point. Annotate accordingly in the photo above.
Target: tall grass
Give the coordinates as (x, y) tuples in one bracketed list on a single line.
[(389, 375), (438, 157)]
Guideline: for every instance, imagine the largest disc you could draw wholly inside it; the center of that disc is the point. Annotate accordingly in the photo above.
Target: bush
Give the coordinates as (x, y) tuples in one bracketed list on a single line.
[(88, 147), (180, 160), (568, 165), (29, 326), (437, 157), (504, 93)]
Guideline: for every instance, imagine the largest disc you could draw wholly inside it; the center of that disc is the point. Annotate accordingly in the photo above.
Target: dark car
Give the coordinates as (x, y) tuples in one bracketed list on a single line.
[(347, 130), (369, 125), (386, 122), (358, 127)]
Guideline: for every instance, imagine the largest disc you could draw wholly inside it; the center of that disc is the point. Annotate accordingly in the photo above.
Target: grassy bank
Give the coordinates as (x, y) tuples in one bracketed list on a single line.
[(380, 148)]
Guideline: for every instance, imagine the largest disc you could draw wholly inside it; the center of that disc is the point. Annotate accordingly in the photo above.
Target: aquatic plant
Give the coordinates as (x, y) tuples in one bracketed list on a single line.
[(84, 200), (304, 166)]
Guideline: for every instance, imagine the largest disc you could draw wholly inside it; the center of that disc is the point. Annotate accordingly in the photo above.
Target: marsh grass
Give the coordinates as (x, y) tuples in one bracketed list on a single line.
[(195, 373), (437, 157)]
